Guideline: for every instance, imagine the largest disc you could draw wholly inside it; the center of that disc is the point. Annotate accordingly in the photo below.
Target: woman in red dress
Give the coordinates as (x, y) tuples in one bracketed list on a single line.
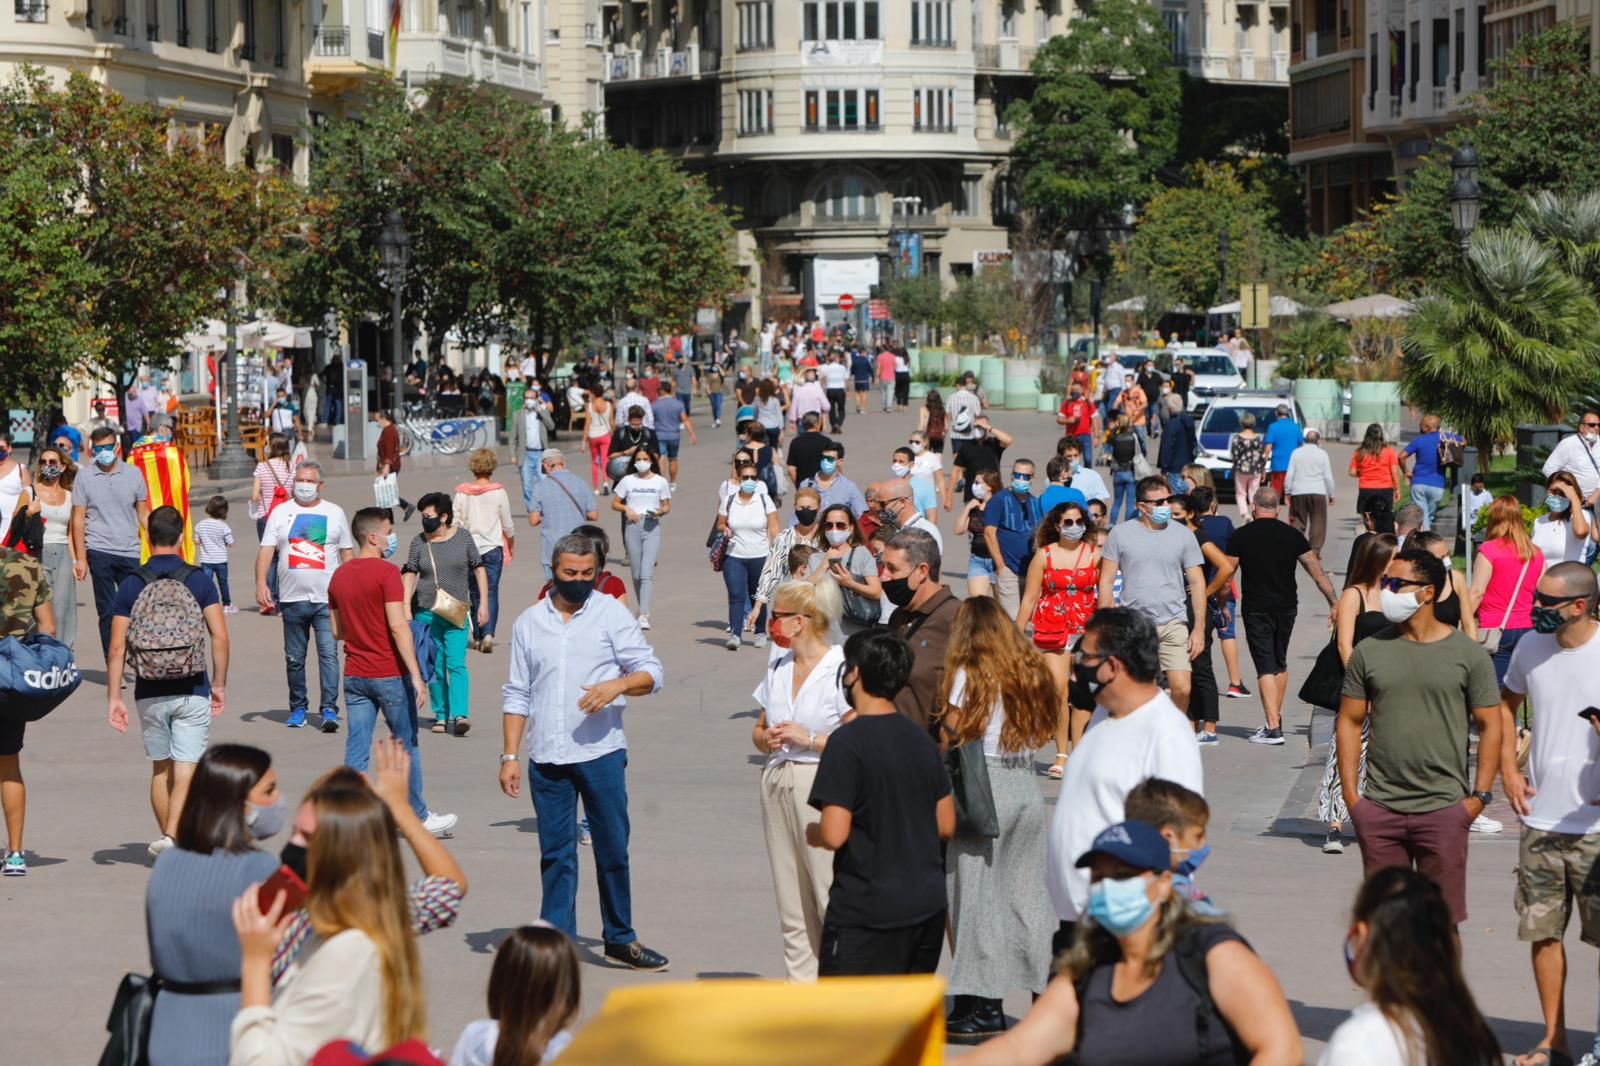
[(1057, 602)]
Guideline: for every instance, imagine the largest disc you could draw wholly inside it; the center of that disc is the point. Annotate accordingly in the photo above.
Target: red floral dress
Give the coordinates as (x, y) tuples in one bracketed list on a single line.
[(1067, 597)]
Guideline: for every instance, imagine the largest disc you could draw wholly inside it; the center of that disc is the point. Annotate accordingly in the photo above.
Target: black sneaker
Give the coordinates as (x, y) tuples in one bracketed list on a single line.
[(1267, 736), (1334, 845), (637, 956), (984, 1019)]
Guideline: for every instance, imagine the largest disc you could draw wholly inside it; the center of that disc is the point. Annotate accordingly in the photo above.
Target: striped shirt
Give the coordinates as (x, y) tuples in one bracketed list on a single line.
[(213, 537), (269, 474)]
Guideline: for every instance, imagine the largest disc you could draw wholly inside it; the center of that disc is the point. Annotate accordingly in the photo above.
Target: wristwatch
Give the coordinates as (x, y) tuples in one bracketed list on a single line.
[(1484, 798), (508, 758)]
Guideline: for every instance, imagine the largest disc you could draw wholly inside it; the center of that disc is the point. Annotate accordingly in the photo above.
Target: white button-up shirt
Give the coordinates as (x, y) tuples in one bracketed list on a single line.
[(1578, 459), (552, 659), (819, 706)]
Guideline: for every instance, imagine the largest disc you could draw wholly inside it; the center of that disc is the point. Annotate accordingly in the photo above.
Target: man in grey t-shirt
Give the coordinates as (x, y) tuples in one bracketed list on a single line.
[(110, 504), (1160, 563)]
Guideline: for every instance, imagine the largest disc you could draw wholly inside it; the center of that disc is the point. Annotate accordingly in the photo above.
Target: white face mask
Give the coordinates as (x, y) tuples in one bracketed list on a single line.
[(642, 465), (1398, 606), (837, 537), (900, 469), (304, 491), (916, 448), (980, 491)]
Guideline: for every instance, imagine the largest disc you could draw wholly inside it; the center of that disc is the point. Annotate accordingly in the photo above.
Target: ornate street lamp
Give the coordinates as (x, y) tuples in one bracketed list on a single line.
[(1466, 198), (394, 243)]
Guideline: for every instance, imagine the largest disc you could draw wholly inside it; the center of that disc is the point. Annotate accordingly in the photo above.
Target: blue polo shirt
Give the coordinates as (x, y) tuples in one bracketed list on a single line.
[(1426, 471), (1283, 436), (1014, 519)]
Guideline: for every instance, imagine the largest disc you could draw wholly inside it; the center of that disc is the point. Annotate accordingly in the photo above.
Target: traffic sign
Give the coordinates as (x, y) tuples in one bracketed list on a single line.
[(1254, 305), (847, 302)]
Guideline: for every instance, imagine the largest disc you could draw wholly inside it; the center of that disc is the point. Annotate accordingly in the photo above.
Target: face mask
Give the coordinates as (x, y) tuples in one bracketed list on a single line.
[(1073, 532), (1590, 438), (266, 822), (49, 472), (828, 466), (1398, 606), (1350, 960), (899, 469), (295, 858), (1021, 487), (779, 638), (1160, 515), (105, 456), (642, 465), (980, 491), (304, 492), (392, 546), (431, 525), (749, 485), (1196, 857), (1546, 619), (837, 537), (898, 590), (1557, 504), (575, 591), (1077, 465), (916, 449), (805, 515), (1119, 906)]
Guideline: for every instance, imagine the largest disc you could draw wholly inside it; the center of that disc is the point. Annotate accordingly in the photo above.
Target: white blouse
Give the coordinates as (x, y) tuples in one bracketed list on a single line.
[(336, 993), (819, 706)]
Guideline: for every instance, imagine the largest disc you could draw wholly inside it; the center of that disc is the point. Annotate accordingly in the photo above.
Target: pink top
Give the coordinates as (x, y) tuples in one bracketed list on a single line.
[(885, 365), (1507, 567)]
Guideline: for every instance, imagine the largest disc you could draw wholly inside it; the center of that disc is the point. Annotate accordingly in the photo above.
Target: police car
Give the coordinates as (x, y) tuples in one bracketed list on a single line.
[(1213, 370), (1221, 421)]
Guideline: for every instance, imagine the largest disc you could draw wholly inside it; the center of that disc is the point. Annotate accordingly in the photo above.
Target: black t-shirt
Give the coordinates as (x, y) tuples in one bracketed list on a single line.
[(1157, 1027), (977, 455), (1181, 380), (886, 771), (805, 454), (1268, 551)]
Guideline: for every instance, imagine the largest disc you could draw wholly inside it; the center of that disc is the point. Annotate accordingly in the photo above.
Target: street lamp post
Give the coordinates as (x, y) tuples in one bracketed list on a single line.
[(1466, 197), (232, 461), (1097, 289), (395, 245), (1222, 281)]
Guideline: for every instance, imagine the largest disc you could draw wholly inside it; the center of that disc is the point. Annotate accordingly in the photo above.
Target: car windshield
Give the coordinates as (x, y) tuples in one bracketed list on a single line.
[(1226, 419), (1215, 365)]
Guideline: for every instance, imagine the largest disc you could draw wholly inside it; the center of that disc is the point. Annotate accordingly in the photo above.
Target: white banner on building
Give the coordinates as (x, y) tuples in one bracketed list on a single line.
[(833, 276), (841, 53)]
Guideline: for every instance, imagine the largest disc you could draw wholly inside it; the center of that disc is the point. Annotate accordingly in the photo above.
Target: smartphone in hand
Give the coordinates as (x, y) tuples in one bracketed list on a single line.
[(286, 881)]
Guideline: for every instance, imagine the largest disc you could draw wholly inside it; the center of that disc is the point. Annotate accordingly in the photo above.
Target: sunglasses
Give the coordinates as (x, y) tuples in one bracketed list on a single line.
[(837, 525), (1020, 476), (1071, 523), (1395, 584), (1544, 600), (1158, 501)]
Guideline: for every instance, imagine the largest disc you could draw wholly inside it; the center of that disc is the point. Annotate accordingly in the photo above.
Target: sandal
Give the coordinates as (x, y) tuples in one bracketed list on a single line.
[(1058, 769), (1543, 1056), (438, 725)]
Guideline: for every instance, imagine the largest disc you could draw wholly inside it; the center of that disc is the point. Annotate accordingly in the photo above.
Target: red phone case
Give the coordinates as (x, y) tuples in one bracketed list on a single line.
[(286, 881)]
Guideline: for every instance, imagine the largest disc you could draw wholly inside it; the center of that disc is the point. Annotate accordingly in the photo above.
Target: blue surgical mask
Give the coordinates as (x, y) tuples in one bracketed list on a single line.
[(393, 545), (1556, 504), (1077, 465), (1021, 485), (1119, 906), (1196, 857), (828, 466), (749, 485), (105, 456), (1161, 515)]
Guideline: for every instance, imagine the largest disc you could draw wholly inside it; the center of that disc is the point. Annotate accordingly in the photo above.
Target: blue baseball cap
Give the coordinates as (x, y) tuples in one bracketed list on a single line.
[(1139, 845)]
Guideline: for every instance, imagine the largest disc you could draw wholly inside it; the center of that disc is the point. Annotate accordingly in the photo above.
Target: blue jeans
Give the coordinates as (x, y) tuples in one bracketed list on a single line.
[(1429, 498), (218, 572), (364, 699), (494, 562), (555, 788), (716, 407), (531, 458), (1509, 638), (300, 619), (743, 578), (272, 571), (1123, 486), (1086, 442), (106, 572)]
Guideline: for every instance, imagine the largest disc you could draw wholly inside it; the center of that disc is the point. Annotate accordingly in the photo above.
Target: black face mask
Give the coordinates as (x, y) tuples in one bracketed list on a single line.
[(805, 515), (294, 857), (848, 688), (575, 592), (899, 590), (431, 525)]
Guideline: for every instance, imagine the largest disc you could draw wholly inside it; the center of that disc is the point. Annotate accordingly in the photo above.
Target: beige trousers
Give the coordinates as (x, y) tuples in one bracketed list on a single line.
[(801, 874)]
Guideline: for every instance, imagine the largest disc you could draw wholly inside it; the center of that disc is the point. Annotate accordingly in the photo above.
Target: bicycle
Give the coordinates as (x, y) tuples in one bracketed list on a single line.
[(447, 436)]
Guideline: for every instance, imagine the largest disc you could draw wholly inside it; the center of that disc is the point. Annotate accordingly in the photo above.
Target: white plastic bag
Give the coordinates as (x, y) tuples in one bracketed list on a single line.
[(386, 490)]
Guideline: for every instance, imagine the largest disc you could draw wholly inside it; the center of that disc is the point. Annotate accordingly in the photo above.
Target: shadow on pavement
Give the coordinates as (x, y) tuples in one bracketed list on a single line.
[(279, 716), (486, 942), (134, 854), (523, 825), (35, 859), (724, 975), (752, 713), (94, 677)]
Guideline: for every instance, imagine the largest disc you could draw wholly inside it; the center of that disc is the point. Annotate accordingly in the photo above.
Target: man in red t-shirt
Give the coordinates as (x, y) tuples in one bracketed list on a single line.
[(1077, 421), (366, 605)]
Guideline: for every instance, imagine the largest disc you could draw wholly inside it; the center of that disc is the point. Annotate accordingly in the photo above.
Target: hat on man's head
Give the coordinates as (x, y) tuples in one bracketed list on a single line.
[(1138, 845)]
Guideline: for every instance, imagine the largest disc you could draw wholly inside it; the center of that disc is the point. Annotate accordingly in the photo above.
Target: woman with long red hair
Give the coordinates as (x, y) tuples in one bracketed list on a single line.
[(1503, 578)]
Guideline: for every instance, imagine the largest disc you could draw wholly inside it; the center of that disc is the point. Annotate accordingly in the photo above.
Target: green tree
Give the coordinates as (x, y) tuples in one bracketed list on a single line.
[(1569, 223), (1102, 121), (1314, 347), (1505, 341), (918, 299)]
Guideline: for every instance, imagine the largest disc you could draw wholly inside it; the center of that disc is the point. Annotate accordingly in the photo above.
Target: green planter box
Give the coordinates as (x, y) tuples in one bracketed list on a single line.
[(1375, 401), (1322, 403), (919, 390), (1049, 402)]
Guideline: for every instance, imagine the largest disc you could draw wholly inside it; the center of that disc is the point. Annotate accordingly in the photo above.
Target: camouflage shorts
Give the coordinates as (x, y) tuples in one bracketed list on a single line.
[(1553, 870)]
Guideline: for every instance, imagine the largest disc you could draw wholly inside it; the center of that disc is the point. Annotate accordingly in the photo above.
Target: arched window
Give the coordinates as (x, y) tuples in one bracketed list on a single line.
[(846, 198)]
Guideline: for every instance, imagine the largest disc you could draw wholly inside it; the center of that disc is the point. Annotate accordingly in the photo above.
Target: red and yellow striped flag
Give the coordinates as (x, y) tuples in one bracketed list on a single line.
[(394, 35), (166, 475)]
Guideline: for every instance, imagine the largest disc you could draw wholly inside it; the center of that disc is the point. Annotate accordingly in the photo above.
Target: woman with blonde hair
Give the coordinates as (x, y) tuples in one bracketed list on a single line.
[(360, 979), (483, 509), (1194, 475), (997, 694), (1503, 578), (801, 704)]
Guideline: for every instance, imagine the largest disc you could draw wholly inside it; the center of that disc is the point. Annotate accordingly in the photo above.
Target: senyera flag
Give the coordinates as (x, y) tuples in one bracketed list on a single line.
[(394, 35), (166, 475)]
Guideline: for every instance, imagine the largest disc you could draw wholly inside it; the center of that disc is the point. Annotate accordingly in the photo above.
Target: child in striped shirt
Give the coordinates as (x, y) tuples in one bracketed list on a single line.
[(212, 538)]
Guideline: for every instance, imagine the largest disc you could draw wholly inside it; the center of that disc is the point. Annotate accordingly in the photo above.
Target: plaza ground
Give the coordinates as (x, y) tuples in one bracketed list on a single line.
[(702, 891)]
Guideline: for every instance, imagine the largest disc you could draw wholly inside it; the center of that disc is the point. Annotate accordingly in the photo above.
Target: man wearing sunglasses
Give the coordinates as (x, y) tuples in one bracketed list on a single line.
[(1412, 682), (1554, 669), (1162, 579), (1579, 455)]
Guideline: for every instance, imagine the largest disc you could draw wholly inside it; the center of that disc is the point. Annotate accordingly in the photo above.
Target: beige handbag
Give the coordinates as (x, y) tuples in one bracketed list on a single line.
[(445, 605)]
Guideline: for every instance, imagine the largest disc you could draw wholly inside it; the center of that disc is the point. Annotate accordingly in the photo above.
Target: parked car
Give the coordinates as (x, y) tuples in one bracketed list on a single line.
[(1221, 421), (1213, 372)]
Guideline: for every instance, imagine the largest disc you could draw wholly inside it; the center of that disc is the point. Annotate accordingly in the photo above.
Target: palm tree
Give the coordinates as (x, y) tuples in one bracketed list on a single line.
[(1504, 341), (1570, 224)]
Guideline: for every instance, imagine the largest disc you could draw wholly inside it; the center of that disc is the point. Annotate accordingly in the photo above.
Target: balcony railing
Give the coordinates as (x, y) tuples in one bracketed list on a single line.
[(644, 66), (933, 42), (331, 41), (756, 45), (1441, 97), (375, 45)]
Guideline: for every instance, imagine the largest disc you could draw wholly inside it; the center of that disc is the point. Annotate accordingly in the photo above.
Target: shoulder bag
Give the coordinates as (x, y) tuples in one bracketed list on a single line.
[(718, 542), (1490, 638), (445, 605), (969, 784), (134, 1007)]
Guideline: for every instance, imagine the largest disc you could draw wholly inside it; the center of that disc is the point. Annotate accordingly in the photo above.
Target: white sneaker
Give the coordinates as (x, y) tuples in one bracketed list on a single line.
[(644, 621), (439, 824), (1485, 824), (733, 642), (761, 641), (230, 609), (158, 846), (1589, 1059), (672, 486)]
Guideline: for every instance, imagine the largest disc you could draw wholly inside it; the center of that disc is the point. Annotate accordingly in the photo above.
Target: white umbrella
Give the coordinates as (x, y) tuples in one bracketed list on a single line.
[(212, 334), (265, 333), (1134, 304), (1277, 307), (1379, 305)]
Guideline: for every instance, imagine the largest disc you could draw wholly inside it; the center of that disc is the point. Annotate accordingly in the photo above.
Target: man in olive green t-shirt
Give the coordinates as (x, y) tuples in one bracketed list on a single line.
[(1413, 685)]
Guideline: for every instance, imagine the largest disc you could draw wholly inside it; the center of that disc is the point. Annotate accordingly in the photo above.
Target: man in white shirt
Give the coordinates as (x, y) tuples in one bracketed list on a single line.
[(530, 435), (1085, 479), (1579, 455), (634, 398), (835, 383), (575, 658), (1554, 668), (964, 401), (312, 538), (1136, 733), (1309, 485)]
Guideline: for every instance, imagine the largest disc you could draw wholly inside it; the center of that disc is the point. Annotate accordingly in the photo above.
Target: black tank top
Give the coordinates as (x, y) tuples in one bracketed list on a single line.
[(1369, 622), (1449, 611)]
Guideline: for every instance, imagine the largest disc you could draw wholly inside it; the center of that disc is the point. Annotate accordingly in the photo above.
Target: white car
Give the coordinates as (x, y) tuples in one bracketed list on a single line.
[(1221, 422), (1213, 372)]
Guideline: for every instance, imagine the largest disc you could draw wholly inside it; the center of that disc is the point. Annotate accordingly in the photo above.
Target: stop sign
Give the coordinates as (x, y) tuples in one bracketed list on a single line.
[(847, 302)]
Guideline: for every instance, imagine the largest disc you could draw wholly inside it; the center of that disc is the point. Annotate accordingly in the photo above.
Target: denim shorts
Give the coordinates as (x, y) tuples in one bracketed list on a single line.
[(669, 448), (175, 727), (978, 566)]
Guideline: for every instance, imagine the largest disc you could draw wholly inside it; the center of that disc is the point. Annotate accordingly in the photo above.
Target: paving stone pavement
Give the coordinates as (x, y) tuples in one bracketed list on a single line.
[(701, 886)]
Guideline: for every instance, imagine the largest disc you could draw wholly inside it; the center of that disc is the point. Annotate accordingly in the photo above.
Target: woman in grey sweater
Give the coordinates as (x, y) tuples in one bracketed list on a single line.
[(443, 558), (233, 802)]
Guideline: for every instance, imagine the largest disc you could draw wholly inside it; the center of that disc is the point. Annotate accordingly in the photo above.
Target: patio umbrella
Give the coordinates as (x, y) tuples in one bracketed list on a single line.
[(1379, 305)]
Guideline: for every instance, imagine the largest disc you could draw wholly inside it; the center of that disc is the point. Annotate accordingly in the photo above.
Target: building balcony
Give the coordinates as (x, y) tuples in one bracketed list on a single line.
[(1249, 67), (1003, 57), (337, 64), (689, 63), (437, 55)]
